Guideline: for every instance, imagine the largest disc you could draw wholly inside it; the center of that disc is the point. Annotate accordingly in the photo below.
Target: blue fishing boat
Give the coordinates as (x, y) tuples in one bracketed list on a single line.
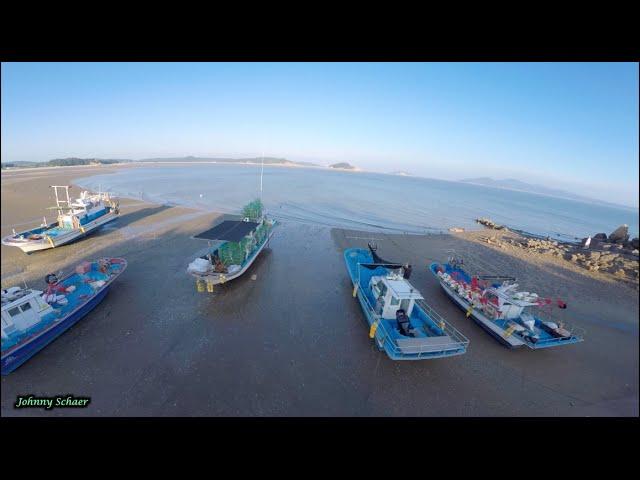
[(400, 322), (31, 319), (513, 318)]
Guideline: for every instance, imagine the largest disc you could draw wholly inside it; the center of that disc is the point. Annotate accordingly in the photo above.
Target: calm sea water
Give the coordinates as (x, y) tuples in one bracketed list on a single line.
[(365, 201)]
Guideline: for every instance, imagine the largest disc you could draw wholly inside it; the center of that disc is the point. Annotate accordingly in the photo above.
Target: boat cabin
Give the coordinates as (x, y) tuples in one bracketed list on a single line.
[(21, 310), (73, 214), (509, 303), (391, 293)]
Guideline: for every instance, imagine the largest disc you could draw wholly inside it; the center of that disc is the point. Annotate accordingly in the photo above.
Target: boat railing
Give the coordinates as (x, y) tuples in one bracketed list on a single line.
[(544, 314), (459, 340), (577, 333), (449, 329)]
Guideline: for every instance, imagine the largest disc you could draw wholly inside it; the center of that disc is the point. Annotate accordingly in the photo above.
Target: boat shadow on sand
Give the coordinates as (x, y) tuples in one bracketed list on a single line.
[(126, 219), (239, 289)]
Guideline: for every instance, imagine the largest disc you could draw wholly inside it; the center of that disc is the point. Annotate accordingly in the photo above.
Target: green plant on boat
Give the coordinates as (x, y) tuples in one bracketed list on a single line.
[(253, 210), (235, 253), (261, 232), (232, 253)]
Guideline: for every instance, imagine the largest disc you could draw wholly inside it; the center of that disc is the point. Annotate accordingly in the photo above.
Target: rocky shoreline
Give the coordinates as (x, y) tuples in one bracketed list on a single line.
[(614, 254)]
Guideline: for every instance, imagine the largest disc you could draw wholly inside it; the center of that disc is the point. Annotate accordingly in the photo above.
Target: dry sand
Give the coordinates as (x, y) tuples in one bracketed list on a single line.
[(294, 341)]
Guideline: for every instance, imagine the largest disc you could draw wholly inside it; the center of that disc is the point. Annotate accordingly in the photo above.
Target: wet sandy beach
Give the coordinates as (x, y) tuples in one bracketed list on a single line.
[(294, 341)]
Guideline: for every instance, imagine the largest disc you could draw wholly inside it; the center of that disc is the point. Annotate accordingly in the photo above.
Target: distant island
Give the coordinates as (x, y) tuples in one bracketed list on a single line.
[(66, 162), (517, 185), (62, 162), (257, 160), (343, 166)]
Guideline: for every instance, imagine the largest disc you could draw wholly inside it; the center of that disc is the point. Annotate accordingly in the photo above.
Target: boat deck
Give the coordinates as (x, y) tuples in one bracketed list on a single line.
[(433, 337), (499, 328), (55, 231), (83, 292)]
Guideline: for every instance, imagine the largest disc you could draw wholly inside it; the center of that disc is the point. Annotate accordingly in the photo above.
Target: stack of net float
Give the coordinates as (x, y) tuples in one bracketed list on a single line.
[(472, 295), (461, 288)]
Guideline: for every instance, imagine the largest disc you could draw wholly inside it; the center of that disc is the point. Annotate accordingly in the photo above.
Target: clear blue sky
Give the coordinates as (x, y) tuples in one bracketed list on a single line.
[(572, 125)]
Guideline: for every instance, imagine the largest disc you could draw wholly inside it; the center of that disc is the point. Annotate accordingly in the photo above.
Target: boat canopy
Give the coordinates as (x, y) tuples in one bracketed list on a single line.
[(373, 266), (229, 230), (378, 261)]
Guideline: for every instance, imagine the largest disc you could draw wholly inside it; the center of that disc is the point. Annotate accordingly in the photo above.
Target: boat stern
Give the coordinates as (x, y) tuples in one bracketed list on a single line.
[(27, 245)]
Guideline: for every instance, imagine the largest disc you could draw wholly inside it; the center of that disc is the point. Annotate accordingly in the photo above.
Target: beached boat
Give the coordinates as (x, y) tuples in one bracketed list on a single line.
[(513, 318), (76, 219), (31, 319), (236, 245), (399, 319)]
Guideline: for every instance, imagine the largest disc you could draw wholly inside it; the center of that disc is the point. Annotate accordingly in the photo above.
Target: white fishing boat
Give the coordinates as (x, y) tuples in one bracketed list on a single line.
[(512, 317), (76, 219), (233, 247)]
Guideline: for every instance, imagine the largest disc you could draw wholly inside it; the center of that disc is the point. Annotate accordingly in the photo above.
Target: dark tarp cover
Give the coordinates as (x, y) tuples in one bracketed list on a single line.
[(373, 266), (376, 258), (379, 262), (229, 230)]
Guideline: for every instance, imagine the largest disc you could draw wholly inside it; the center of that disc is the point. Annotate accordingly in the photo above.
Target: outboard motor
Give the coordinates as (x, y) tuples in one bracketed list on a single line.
[(406, 271), (404, 325)]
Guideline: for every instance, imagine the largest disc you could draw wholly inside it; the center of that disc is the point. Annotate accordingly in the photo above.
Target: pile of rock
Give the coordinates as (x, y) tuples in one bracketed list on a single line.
[(617, 240), (619, 257), (541, 246), (490, 224), (618, 264)]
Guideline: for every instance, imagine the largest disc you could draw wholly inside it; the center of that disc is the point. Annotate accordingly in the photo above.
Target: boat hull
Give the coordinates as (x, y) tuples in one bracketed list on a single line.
[(16, 358), (217, 279), (510, 341), (30, 246), (382, 339), (484, 323), (19, 354)]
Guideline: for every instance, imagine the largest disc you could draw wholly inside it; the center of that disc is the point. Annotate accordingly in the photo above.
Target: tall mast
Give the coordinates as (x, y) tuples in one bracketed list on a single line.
[(261, 172)]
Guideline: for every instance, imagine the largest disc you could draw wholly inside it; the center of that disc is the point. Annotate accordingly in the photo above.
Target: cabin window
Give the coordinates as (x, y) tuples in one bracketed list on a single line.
[(14, 311), (25, 307), (394, 301), (382, 287), (404, 304)]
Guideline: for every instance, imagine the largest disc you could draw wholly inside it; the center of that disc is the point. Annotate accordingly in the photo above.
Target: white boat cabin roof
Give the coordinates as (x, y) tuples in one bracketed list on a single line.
[(400, 288), (506, 294), (16, 296)]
